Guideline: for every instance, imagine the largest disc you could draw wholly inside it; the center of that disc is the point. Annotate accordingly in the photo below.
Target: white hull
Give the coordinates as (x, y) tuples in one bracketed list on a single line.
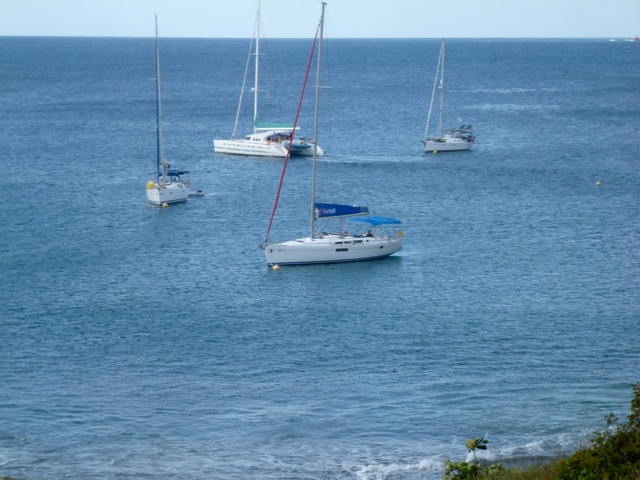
[(174, 192), (447, 145), (331, 249), (258, 149)]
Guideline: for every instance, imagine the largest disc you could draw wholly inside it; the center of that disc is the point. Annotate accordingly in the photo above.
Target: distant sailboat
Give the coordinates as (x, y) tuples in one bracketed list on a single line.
[(453, 139), (341, 246), (267, 139), (167, 185)]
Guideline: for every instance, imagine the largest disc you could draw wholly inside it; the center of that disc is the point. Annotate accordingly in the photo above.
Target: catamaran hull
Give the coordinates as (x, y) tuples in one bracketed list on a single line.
[(331, 249), (446, 146), (169, 193), (255, 149)]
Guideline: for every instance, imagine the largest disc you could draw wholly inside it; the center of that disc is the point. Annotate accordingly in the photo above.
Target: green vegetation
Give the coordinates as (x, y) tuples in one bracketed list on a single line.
[(614, 454), (474, 469)]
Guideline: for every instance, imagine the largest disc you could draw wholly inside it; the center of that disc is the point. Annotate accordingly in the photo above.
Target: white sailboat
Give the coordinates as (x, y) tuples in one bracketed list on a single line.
[(267, 139), (341, 246), (167, 185), (453, 139)]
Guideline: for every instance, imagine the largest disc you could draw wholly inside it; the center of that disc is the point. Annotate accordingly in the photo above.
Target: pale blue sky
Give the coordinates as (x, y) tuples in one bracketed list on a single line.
[(345, 18)]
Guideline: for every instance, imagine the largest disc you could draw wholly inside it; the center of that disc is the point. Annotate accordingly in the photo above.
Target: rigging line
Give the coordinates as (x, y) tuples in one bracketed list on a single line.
[(161, 162), (273, 84), (244, 81), (293, 132), (433, 93)]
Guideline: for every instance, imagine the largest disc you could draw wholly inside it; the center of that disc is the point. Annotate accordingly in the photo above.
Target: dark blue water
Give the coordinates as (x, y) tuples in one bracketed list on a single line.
[(140, 342)]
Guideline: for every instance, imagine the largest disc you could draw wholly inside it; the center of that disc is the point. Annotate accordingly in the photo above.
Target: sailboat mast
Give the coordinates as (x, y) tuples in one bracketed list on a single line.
[(161, 163), (315, 127), (441, 87), (433, 96), (255, 81)]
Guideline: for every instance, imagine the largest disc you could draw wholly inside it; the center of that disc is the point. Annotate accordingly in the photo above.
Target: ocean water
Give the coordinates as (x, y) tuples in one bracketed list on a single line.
[(141, 342)]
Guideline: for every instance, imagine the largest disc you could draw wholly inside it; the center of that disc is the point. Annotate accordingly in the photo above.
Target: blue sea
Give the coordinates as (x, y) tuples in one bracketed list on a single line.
[(150, 343)]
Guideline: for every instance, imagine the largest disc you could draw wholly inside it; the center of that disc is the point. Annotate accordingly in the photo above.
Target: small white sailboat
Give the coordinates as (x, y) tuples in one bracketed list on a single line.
[(167, 185), (267, 139), (341, 246), (453, 139)]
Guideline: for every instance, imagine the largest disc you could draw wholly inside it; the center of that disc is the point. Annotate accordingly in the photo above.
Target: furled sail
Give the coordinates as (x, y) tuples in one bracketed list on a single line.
[(336, 210)]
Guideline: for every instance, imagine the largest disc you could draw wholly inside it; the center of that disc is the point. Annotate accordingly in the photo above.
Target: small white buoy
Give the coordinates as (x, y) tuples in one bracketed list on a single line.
[(435, 151), (598, 183), (276, 267), (165, 205)]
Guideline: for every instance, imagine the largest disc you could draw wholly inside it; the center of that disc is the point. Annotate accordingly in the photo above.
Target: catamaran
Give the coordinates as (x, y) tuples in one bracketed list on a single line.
[(167, 185), (267, 139), (323, 246), (453, 139)]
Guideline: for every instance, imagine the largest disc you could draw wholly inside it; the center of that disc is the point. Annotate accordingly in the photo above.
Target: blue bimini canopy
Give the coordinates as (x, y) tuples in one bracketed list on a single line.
[(376, 220), (336, 210)]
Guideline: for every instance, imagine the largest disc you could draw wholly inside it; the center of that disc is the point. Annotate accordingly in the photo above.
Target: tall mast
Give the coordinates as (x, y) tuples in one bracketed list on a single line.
[(255, 82), (315, 126), (433, 95), (161, 163), (441, 88)]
